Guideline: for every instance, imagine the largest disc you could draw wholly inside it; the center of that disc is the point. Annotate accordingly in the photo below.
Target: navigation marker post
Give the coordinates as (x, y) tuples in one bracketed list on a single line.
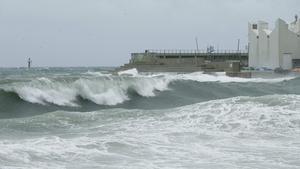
[(29, 62)]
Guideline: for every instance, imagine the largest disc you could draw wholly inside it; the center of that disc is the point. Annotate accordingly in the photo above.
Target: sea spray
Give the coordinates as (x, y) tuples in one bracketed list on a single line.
[(101, 90), (108, 89), (88, 118), (253, 130)]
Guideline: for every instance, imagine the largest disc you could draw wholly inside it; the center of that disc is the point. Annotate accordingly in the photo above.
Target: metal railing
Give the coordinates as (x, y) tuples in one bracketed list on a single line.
[(180, 51)]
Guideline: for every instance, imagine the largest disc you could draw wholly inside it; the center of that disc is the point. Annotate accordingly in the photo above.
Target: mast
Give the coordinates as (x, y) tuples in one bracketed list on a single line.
[(238, 47), (197, 46)]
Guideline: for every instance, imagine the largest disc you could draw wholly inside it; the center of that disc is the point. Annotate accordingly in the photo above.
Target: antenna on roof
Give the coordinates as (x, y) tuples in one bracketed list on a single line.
[(197, 46), (238, 46)]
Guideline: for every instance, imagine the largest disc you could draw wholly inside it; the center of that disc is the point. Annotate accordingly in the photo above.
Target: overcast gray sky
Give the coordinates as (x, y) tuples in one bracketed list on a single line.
[(105, 32)]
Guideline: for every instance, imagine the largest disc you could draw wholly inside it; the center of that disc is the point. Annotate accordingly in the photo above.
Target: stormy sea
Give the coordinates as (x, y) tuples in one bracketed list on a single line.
[(79, 118)]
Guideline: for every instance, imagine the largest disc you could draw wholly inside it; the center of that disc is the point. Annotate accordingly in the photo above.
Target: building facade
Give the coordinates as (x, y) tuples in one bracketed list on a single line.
[(277, 48)]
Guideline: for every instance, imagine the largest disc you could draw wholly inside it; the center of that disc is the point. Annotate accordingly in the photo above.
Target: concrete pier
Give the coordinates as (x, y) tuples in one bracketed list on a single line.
[(184, 56), (185, 60)]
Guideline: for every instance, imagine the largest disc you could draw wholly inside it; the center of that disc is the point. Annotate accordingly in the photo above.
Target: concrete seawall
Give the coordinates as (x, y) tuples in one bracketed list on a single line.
[(185, 61)]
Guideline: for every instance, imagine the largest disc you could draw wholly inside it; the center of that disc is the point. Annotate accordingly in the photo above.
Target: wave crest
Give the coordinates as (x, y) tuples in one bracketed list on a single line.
[(102, 91), (108, 89)]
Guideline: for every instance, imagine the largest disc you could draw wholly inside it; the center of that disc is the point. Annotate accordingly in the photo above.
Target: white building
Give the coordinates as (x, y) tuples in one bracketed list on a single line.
[(277, 48)]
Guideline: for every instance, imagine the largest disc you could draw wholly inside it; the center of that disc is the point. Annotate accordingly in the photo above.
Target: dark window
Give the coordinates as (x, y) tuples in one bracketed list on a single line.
[(188, 56), (296, 63), (257, 37), (254, 26), (169, 57)]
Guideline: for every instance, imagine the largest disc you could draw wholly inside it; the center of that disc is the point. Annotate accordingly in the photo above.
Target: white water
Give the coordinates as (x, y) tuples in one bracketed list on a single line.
[(240, 132), (107, 89), (102, 91), (131, 72), (222, 78)]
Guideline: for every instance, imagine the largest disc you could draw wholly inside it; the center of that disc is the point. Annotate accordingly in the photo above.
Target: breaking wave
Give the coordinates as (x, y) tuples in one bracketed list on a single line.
[(102, 91), (93, 118), (248, 129), (108, 89)]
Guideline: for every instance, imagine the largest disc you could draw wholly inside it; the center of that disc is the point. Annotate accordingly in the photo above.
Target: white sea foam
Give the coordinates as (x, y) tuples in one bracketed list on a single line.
[(130, 72), (44, 91), (58, 96), (239, 132), (99, 74), (108, 89), (42, 152), (221, 78), (103, 90), (274, 113)]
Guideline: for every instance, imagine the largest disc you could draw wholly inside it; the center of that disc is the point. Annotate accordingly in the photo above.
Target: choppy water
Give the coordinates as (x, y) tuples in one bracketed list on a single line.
[(91, 118)]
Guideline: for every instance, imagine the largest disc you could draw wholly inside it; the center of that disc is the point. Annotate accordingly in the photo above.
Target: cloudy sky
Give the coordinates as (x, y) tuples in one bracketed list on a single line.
[(105, 32)]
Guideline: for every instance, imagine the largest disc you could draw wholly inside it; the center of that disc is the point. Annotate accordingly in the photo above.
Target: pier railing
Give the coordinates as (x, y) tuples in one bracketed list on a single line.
[(180, 51)]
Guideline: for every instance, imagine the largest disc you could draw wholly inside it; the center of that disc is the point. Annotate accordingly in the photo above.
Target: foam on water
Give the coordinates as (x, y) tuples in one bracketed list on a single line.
[(274, 113), (131, 72), (44, 91), (239, 132), (222, 78), (99, 74), (107, 89), (103, 91)]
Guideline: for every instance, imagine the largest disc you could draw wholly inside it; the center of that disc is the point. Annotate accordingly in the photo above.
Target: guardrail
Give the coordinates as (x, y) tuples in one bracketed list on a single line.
[(178, 51)]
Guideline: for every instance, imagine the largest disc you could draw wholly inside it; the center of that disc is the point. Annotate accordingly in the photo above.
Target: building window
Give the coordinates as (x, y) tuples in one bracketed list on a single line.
[(257, 37), (268, 36), (254, 26), (172, 57)]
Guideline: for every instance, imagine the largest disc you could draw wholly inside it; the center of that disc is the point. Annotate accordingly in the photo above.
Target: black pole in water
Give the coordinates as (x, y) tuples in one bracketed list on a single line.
[(29, 63)]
